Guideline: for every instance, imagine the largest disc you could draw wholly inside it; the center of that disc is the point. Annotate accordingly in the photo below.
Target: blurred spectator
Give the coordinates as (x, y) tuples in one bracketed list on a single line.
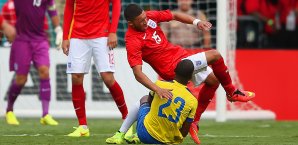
[(264, 10), (241, 7), (185, 35), (288, 15)]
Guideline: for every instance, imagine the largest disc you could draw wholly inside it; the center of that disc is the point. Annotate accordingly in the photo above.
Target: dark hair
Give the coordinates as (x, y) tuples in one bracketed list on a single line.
[(185, 69), (132, 11)]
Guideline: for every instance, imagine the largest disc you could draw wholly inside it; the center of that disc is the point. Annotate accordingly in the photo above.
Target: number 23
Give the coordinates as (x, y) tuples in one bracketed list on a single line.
[(178, 110)]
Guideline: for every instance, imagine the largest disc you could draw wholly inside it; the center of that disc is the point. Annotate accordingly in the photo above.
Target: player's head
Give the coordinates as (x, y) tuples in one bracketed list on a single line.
[(135, 17), (184, 71), (184, 5)]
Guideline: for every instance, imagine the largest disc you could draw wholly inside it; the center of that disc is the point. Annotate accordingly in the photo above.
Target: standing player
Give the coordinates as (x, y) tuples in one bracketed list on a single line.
[(146, 41), (162, 121), (89, 33), (31, 45)]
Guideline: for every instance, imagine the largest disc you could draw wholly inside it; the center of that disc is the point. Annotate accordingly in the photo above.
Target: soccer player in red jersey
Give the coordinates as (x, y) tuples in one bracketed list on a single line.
[(89, 33), (145, 41)]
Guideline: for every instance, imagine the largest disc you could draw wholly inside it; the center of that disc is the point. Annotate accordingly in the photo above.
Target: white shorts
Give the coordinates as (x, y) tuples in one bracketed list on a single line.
[(201, 68), (82, 50)]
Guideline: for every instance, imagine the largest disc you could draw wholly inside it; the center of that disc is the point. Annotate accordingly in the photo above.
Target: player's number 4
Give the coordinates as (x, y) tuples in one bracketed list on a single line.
[(36, 3), (178, 110)]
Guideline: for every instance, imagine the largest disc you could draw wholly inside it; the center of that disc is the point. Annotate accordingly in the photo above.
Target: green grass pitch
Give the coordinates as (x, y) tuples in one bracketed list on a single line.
[(30, 132)]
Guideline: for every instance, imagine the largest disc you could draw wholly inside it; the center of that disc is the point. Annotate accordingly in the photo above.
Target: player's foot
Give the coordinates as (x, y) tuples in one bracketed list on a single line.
[(133, 139), (48, 120), (11, 119), (241, 96), (118, 138), (129, 133), (193, 131), (80, 132)]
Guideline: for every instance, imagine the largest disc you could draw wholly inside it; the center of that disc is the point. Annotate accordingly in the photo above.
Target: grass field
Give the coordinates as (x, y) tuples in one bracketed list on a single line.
[(30, 132)]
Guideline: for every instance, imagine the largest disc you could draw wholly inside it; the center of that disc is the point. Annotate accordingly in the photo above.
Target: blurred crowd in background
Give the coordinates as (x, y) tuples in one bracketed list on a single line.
[(261, 23)]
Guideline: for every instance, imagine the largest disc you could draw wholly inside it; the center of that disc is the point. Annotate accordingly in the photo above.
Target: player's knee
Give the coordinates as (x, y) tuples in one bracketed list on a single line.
[(212, 55), (212, 81), (144, 99), (43, 72), (77, 79), (108, 79), (21, 80)]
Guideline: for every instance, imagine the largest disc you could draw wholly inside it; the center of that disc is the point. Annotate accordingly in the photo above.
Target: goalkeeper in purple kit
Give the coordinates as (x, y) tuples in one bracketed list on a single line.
[(31, 46)]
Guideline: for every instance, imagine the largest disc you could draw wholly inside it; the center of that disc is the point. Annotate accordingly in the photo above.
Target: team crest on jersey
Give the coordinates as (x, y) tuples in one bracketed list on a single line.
[(151, 24), (69, 65)]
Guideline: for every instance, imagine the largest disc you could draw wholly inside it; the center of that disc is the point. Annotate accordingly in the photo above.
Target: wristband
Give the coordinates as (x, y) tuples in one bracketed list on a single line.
[(196, 22)]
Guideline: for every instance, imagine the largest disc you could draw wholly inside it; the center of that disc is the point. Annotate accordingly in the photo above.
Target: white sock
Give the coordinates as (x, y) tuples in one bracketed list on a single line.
[(132, 116), (84, 126)]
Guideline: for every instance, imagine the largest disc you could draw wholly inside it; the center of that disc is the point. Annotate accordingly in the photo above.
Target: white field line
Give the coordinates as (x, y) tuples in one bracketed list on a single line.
[(204, 135)]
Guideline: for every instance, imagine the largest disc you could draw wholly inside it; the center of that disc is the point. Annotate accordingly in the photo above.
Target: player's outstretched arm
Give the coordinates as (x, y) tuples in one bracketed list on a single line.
[(188, 19), (144, 80)]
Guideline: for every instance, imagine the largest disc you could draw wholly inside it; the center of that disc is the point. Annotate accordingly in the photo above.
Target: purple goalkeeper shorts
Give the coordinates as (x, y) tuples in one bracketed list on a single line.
[(24, 52)]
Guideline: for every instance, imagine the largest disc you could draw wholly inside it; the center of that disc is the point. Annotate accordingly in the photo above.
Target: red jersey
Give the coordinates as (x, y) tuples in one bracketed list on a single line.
[(265, 8), (285, 7), (90, 18), (1, 20), (153, 47), (9, 13)]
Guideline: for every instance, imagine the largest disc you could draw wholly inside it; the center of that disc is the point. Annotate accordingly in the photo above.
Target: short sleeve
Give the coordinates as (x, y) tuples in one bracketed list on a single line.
[(160, 16), (134, 51), (51, 8), (192, 111)]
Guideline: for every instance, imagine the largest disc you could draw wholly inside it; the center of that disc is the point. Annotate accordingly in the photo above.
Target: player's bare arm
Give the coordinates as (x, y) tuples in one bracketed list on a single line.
[(68, 15), (116, 11), (188, 19), (9, 31), (185, 128), (144, 80)]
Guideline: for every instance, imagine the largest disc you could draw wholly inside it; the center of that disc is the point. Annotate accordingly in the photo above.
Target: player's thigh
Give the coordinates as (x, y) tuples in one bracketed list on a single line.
[(79, 56), (20, 57), (201, 76), (199, 61), (40, 54), (103, 56)]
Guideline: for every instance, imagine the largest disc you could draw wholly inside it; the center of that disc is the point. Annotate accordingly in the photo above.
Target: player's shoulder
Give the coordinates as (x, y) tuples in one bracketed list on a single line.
[(152, 15), (187, 94), (164, 84)]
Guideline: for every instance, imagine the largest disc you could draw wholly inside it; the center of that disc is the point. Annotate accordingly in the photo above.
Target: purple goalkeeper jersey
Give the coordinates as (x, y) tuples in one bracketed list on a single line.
[(30, 18)]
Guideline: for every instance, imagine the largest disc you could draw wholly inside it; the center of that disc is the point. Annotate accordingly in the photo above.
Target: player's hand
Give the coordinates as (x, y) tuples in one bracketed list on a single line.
[(164, 93), (65, 46), (204, 25), (59, 35), (112, 40), (9, 31)]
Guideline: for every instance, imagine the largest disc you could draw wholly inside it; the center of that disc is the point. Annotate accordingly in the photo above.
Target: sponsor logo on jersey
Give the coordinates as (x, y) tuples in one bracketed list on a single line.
[(151, 24)]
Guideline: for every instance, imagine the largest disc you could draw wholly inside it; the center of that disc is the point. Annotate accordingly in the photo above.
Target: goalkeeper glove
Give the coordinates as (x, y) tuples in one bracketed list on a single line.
[(59, 35)]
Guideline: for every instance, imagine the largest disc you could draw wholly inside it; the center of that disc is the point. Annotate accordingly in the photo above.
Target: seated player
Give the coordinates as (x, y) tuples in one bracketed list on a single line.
[(167, 121), (145, 41)]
